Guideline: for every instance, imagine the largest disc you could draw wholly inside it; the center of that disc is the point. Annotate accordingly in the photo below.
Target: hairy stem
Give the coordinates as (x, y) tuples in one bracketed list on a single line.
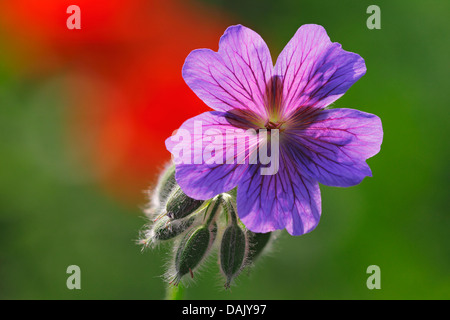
[(174, 292)]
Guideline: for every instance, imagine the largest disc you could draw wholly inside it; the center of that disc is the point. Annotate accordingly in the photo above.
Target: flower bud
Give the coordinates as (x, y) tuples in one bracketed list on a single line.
[(165, 229), (191, 251), (179, 205), (257, 243), (166, 183), (232, 252)]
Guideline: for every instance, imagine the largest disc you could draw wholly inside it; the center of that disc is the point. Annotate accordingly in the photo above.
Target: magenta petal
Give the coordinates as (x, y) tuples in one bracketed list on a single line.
[(285, 200), (333, 149), (235, 77), (314, 71), (206, 162)]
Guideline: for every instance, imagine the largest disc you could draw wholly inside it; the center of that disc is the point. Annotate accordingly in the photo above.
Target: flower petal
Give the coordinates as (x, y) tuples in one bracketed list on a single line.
[(315, 72), (333, 149), (211, 155), (235, 77), (284, 200)]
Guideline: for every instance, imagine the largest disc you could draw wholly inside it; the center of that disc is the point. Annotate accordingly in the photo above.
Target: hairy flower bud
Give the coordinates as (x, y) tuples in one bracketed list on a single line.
[(165, 229), (192, 250), (257, 243), (232, 252), (179, 205), (166, 183), (196, 224)]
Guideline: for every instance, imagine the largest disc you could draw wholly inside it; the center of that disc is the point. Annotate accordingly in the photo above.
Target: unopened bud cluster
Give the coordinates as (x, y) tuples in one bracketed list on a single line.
[(197, 228)]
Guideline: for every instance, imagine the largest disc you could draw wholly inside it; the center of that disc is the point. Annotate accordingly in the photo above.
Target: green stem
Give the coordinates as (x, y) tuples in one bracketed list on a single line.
[(174, 292)]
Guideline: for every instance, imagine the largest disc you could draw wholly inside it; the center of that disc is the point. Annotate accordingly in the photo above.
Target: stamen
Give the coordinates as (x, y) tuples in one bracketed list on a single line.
[(274, 125)]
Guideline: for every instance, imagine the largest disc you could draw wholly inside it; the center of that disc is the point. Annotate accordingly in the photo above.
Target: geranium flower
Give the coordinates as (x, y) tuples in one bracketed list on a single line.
[(316, 145)]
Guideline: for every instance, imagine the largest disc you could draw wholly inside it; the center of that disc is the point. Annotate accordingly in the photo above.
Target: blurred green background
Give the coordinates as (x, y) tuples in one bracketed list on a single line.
[(55, 211)]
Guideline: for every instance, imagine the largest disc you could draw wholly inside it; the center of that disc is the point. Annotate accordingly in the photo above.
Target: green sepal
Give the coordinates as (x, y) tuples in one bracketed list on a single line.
[(179, 205), (257, 242), (166, 183), (166, 229), (232, 252)]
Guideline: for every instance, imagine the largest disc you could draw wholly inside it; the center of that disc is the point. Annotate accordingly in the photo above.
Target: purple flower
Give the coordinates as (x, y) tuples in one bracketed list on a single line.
[(316, 144)]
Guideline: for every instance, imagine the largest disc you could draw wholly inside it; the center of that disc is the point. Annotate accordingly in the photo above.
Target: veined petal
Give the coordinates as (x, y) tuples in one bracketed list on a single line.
[(334, 147), (211, 155), (284, 200), (314, 71), (235, 77)]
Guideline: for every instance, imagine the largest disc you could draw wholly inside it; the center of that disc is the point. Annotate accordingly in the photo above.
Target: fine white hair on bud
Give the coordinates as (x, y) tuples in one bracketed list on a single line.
[(166, 183), (165, 229), (157, 196), (179, 205)]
